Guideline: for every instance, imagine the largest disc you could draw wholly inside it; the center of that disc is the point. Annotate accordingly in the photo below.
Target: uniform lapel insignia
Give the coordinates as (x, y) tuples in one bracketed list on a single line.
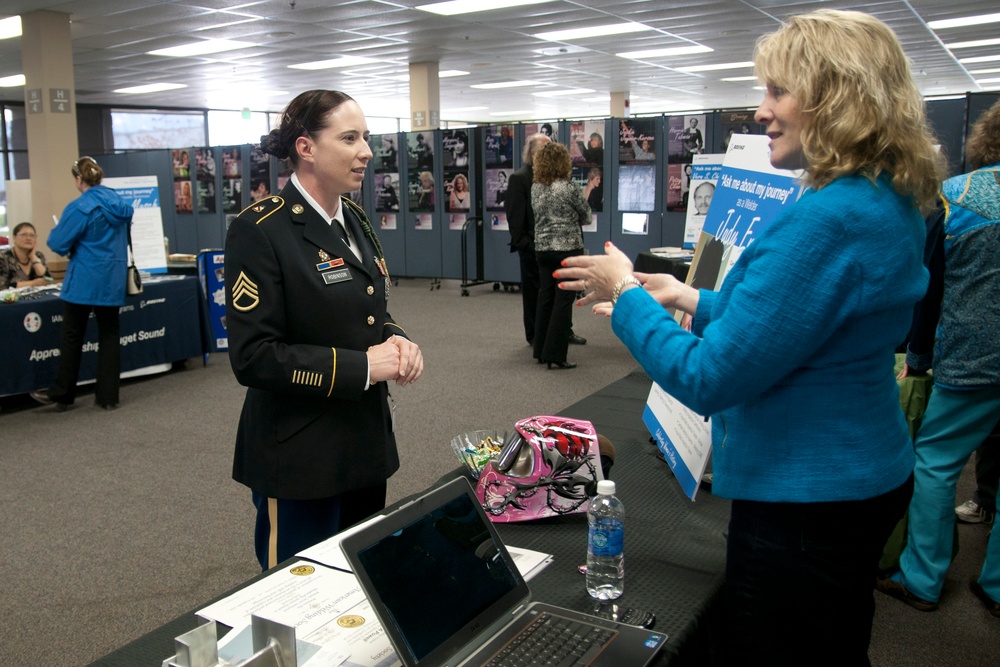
[(297, 209), (323, 255), (245, 294), (258, 208)]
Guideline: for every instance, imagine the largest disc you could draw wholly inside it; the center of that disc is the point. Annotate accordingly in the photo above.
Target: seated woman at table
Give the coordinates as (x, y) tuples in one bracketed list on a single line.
[(22, 264), (792, 357)]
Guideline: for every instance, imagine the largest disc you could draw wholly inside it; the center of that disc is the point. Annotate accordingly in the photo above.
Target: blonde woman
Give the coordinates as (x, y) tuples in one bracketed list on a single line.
[(792, 356)]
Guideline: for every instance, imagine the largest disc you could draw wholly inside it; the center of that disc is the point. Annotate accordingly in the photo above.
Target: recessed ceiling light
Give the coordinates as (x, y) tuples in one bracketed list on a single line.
[(343, 61), (201, 48), (663, 53), (455, 7), (712, 68), (449, 73), (979, 59), (599, 98), (12, 81), (973, 44), (10, 27), (462, 109), (739, 78), (595, 31), (983, 82), (963, 21), (565, 91), (504, 84), (992, 70), (150, 88)]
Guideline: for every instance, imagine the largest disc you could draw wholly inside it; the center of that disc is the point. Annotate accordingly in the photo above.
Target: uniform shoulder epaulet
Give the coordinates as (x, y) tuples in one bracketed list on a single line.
[(258, 211)]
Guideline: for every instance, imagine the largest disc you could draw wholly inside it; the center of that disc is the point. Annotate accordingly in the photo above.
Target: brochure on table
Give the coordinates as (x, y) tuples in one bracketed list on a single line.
[(143, 193), (749, 194)]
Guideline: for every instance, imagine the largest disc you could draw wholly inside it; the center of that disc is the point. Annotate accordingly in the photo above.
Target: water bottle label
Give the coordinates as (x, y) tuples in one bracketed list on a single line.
[(607, 540)]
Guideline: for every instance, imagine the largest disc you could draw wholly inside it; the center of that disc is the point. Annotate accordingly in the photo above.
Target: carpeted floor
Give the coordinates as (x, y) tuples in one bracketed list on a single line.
[(116, 522)]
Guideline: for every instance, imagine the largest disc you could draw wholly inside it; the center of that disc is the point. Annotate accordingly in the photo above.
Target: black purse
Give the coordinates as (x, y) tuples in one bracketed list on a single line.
[(133, 281)]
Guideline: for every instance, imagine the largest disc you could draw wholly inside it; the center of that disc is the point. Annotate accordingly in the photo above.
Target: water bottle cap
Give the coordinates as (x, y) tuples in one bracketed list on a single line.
[(606, 487)]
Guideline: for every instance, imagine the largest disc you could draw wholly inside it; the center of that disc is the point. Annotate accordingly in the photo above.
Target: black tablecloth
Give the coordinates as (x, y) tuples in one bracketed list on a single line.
[(674, 549), (647, 262), (161, 325)]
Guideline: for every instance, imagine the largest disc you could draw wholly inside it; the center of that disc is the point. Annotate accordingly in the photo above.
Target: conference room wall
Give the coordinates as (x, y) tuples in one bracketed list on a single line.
[(437, 253)]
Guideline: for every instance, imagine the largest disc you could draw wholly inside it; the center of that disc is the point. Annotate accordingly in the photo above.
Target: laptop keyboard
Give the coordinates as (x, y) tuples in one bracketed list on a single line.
[(553, 640)]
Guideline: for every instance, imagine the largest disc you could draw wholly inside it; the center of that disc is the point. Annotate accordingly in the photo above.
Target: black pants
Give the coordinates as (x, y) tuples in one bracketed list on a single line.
[(554, 317), (285, 527), (529, 290), (74, 327), (800, 579)]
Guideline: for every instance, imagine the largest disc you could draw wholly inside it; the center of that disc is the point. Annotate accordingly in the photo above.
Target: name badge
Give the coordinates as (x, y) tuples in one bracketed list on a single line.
[(337, 276)]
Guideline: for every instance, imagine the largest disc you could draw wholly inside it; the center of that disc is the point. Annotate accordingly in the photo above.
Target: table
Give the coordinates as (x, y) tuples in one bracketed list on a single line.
[(159, 326), (674, 549), (647, 262)]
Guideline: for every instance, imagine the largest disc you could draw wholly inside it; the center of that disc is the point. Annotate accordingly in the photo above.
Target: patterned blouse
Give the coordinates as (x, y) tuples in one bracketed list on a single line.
[(560, 214), (11, 272)]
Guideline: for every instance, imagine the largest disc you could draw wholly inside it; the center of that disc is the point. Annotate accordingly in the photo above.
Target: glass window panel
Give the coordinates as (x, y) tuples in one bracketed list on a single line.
[(141, 129), (17, 129), (227, 128)]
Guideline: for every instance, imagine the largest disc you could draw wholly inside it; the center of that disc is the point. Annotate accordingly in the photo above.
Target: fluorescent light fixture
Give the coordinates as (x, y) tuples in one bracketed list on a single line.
[(463, 109), (599, 98), (595, 31), (565, 91), (983, 82), (973, 44), (455, 7), (739, 78), (992, 70), (713, 68), (760, 88), (503, 84), (663, 53), (979, 59), (10, 27), (12, 81), (150, 88), (201, 48), (343, 61), (449, 73), (964, 21)]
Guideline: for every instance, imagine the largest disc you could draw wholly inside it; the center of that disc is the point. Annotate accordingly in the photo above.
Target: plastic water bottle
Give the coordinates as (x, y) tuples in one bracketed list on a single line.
[(605, 546)]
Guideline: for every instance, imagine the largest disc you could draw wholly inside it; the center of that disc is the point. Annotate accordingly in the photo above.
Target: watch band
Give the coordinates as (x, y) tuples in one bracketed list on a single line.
[(620, 285)]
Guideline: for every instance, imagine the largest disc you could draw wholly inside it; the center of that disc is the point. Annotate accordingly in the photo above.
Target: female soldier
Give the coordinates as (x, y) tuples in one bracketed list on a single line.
[(311, 338)]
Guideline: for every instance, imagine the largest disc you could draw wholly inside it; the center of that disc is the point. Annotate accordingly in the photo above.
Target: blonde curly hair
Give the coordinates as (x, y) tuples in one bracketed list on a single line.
[(861, 110)]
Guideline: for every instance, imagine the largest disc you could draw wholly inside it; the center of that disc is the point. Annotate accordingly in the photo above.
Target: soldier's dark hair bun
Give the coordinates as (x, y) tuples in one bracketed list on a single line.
[(271, 144)]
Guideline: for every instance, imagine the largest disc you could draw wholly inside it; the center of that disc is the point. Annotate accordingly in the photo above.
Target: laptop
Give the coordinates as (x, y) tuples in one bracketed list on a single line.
[(448, 593)]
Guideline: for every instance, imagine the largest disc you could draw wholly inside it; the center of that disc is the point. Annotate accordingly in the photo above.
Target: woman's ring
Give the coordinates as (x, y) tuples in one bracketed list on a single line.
[(584, 284)]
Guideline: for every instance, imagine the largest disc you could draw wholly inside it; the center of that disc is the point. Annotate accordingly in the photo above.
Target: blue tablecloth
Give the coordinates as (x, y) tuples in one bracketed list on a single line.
[(159, 326)]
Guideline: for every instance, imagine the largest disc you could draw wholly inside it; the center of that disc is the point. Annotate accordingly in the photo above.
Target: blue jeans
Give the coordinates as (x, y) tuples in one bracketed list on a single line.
[(955, 424), (800, 579)]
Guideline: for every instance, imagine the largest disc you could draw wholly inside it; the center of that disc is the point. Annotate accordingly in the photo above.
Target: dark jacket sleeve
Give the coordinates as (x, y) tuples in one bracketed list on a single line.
[(927, 312), (519, 215)]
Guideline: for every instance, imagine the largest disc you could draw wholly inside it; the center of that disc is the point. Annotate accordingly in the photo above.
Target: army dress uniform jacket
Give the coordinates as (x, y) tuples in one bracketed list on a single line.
[(301, 312)]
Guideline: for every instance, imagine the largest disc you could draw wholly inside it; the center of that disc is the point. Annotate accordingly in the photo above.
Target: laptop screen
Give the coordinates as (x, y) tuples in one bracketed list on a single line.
[(441, 576)]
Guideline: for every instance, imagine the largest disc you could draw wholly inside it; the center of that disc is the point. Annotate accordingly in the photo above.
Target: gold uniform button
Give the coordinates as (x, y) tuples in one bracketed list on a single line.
[(370, 290), (371, 320)]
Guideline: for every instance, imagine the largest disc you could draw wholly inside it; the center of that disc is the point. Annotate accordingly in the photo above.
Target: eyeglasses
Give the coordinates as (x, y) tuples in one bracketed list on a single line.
[(25, 235)]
